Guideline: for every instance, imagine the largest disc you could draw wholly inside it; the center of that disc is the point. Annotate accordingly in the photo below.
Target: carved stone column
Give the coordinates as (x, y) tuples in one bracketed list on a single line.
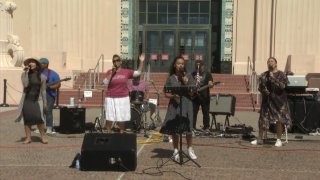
[(11, 52)]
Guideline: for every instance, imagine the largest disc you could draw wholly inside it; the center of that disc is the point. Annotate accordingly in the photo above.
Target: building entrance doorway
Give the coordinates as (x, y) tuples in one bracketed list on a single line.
[(162, 46)]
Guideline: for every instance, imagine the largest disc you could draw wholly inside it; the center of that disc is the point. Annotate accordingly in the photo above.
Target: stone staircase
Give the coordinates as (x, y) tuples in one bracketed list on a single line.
[(230, 85)]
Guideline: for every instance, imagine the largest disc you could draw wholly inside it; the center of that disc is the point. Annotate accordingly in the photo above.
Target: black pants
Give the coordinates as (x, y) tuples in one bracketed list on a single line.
[(205, 105)]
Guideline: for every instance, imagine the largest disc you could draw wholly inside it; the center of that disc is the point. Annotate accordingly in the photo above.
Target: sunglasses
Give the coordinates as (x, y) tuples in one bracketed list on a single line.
[(116, 60)]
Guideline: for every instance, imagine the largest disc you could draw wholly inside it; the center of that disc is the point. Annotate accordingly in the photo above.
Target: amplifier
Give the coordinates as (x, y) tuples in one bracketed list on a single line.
[(222, 104), (72, 120)]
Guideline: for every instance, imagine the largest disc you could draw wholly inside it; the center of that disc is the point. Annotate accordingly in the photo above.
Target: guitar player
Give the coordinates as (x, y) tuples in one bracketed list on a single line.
[(204, 81), (52, 77)]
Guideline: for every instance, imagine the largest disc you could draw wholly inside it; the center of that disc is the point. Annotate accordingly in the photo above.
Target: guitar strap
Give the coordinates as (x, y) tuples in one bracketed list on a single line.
[(48, 77), (204, 77)]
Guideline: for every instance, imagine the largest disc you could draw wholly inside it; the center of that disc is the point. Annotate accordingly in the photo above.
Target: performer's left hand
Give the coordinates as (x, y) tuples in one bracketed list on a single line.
[(210, 83), (45, 108), (185, 80)]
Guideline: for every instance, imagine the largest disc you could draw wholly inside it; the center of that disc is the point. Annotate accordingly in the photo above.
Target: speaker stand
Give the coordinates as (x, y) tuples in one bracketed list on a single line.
[(226, 121), (214, 120)]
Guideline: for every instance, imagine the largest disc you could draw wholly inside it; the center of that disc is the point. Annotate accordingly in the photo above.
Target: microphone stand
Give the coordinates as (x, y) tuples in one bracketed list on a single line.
[(180, 91), (97, 122), (158, 101)]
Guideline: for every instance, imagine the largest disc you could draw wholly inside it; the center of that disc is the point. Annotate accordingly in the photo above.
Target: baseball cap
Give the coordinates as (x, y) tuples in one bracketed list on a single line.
[(44, 61)]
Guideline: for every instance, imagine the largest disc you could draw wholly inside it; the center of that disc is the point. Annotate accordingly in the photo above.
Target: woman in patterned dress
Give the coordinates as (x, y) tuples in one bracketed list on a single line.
[(274, 105), (175, 124)]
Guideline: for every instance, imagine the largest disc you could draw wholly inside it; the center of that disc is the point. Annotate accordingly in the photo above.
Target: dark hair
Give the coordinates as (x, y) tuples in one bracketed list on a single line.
[(114, 56), (172, 68)]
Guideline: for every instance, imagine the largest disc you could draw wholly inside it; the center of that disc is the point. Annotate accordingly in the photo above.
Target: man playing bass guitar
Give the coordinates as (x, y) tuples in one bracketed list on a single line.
[(52, 77)]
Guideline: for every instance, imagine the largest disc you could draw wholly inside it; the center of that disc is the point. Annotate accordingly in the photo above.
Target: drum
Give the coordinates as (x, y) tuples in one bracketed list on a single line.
[(136, 97), (135, 121)]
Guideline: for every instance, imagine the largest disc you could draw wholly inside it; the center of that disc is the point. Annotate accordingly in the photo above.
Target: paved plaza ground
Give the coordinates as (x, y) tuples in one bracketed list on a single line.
[(219, 157)]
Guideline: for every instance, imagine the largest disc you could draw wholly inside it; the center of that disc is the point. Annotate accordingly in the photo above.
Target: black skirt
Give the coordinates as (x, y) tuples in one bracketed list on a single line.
[(31, 112)]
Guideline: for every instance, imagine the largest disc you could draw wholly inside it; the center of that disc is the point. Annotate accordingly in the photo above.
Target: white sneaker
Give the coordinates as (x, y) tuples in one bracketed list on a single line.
[(278, 143), (191, 153), (49, 131), (176, 156), (256, 142)]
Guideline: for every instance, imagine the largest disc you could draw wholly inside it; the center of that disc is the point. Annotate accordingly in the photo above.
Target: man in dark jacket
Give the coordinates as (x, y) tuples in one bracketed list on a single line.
[(204, 81)]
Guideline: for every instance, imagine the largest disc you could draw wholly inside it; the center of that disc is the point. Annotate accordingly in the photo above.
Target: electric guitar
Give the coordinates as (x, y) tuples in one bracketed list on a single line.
[(56, 82), (203, 88)]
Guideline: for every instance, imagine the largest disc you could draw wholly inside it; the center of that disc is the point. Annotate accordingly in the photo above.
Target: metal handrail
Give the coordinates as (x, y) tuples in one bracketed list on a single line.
[(93, 72), (253, 80), (252, 77)]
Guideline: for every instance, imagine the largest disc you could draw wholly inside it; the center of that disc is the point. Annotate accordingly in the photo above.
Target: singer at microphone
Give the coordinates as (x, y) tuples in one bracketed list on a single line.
[(117, 101), (33, 101), (272, 85), (179, 99)]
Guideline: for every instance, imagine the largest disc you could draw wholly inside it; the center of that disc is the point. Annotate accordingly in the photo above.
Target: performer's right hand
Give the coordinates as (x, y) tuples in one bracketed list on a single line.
[(267, 92), (142, 57), (105, 81)]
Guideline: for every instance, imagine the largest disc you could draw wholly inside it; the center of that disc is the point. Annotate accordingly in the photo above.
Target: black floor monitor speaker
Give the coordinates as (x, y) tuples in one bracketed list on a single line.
[(305, 114), (222, 104), (109, 152), (72, 120)]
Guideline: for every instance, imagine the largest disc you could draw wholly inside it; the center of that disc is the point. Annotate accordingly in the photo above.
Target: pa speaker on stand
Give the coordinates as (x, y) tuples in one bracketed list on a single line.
[(222, 105)]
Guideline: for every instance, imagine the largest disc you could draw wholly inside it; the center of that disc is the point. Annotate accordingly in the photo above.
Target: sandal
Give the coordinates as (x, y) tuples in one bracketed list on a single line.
[(26, 142), (44, 141)]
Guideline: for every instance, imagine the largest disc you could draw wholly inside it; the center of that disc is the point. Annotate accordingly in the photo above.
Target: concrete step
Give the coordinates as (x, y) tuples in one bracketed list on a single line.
[(243, 100), (231, 84)]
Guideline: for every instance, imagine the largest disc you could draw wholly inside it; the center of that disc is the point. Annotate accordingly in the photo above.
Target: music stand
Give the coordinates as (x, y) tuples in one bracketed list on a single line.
[(181, 90)]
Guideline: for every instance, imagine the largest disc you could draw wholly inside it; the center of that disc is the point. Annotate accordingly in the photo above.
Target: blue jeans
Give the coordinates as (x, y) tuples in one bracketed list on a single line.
[(49, 115)]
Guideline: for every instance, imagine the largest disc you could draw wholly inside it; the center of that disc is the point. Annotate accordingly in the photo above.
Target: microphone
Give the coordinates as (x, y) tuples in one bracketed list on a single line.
[(27, 68), (270, 74), (113, 69), (182, 72)]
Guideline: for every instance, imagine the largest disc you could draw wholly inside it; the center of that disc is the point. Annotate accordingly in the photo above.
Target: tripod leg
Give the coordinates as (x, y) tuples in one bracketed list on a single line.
[(226, 122), (144, 120), (213, 121), (180, 151), (181, 154), (97, 124)]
